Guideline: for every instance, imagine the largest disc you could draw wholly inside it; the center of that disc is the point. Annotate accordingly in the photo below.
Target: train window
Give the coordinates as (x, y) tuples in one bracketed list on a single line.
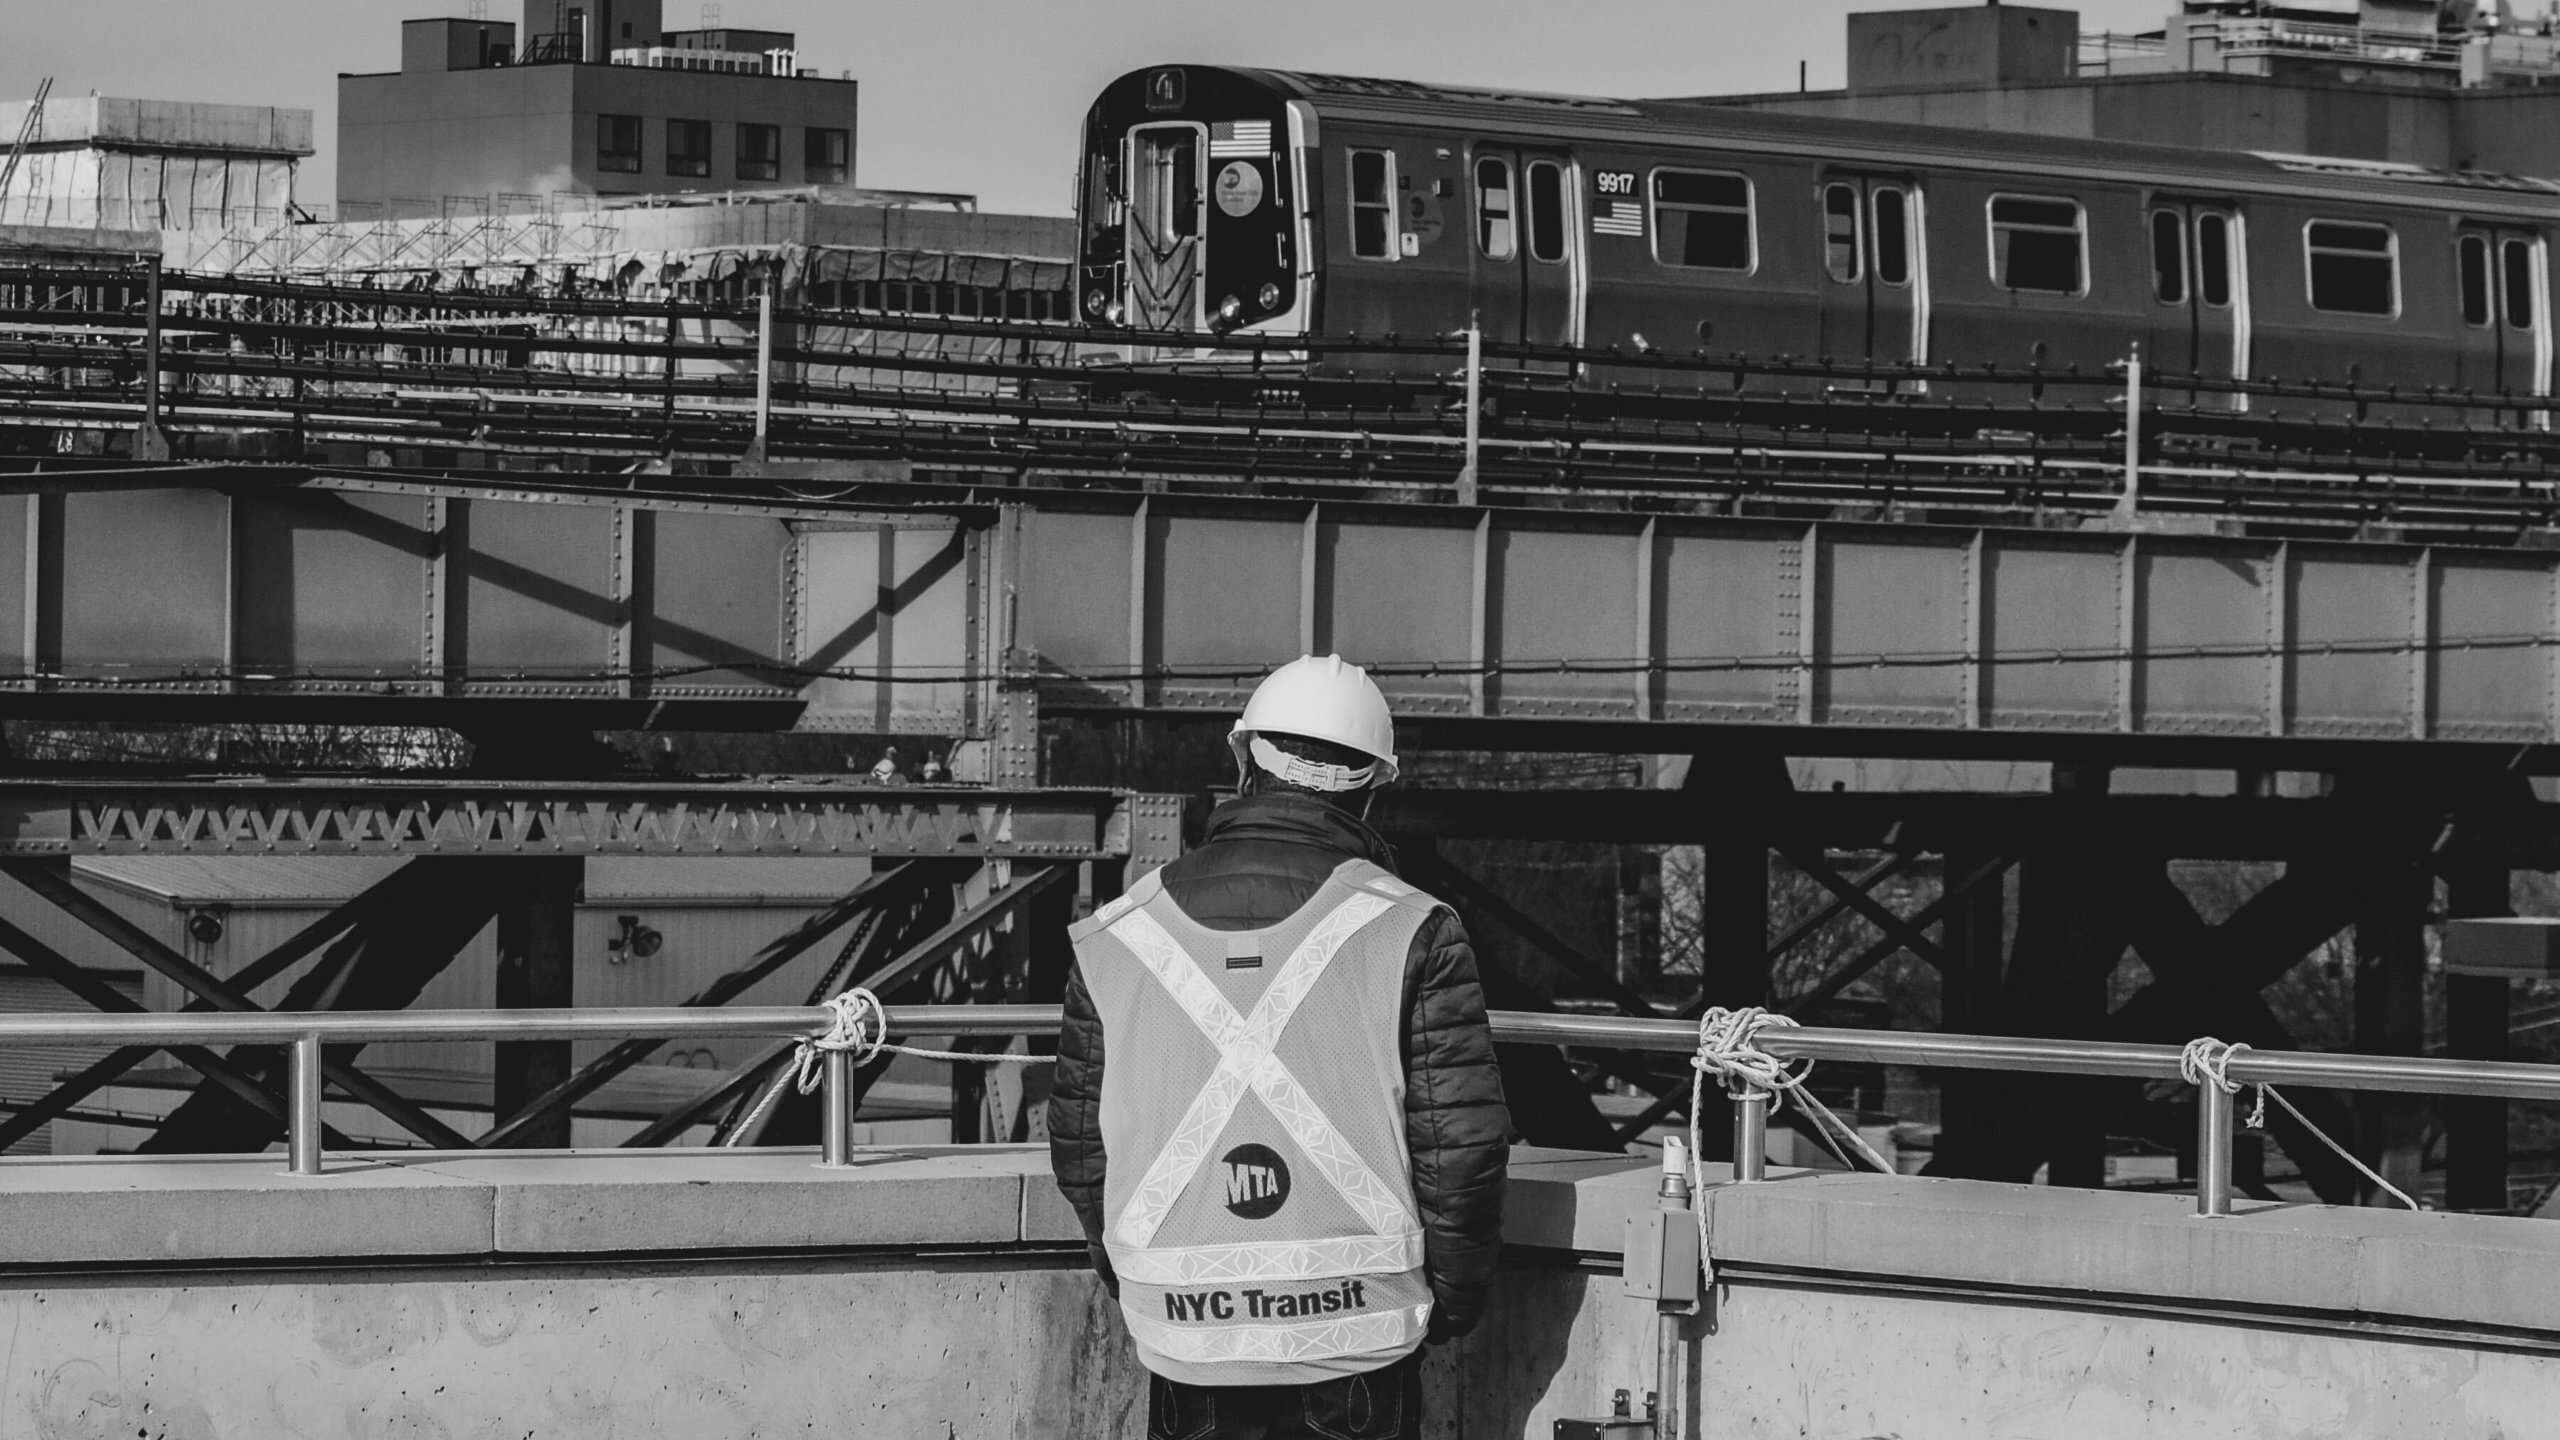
[(2353, 269), (1546, 210), (2516, 256), (1496, 232), (1701, 220), (1373, 207), (2474, 258), (2213, 259), (2036, 243), (1840, 247), (2168, 257), (1893, 235)]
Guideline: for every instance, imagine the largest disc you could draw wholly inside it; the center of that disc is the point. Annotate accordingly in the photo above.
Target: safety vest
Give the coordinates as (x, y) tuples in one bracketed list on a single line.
[(1259, 1196)]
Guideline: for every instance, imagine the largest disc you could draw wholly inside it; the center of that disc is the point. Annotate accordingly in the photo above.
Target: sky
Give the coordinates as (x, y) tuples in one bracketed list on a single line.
[(984, 96)]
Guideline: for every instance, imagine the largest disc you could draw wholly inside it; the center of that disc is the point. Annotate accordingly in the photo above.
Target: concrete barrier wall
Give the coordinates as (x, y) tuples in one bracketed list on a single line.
[(943, 1293)]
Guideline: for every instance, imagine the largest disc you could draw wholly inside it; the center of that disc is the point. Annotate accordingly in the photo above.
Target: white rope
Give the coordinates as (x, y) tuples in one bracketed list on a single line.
[(1729, 1049), (858, 1025), (2207, 1061)]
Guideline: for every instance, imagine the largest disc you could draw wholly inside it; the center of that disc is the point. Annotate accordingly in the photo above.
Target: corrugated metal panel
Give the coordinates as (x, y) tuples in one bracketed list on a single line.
[(28, 1071)]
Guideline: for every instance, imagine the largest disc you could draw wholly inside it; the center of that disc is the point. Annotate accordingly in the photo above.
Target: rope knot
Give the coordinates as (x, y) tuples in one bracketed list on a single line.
[(855, 1024), (2207, 1061), (1729, 1049)]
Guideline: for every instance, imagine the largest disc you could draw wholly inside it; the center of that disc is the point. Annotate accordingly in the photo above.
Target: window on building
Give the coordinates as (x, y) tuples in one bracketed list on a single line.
[(1701, 220), (1497, 234), (1373, 204), (618, 144), (2213, 259), (2517, 257), (1893, 235), (2475, 279), (689, 147), (1546, 211), (1841, 252), (829, 157), (759, 152), (2036, 243), (2168, 257), (2354, 269)]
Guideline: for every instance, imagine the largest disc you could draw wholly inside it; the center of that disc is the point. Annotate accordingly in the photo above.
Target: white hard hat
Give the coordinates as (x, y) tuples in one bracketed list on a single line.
[(1320, 699)]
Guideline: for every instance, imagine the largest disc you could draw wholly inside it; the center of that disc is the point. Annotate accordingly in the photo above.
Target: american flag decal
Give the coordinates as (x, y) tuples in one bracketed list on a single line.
[(1245, 139), (1618, 217)]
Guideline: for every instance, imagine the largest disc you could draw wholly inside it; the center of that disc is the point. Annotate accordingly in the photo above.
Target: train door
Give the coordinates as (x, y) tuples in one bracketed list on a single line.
[(2505, 345), (1527, 260), (1875, 307), (2199, 293), (1167, 211)]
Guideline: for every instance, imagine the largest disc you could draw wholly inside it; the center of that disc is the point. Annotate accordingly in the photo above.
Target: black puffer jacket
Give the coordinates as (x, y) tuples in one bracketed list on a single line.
[(1263, 858)]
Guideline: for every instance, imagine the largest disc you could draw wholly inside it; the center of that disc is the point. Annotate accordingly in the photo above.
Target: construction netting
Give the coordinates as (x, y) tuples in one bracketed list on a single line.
[(87, 189)]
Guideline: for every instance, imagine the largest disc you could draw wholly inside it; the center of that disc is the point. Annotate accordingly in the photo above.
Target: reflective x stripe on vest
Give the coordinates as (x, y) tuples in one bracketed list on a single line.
[(1245, 1062)]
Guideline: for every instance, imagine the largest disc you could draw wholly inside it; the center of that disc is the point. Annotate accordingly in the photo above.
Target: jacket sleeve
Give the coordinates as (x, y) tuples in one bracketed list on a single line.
[(1075, 1118), (1457, 1126)]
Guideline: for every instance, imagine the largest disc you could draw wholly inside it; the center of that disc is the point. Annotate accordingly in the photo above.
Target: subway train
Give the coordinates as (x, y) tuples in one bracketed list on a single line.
[(1262, 202)]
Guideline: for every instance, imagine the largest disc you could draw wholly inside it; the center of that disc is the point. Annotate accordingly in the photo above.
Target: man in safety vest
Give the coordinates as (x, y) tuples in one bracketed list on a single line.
[(1291, 1171)]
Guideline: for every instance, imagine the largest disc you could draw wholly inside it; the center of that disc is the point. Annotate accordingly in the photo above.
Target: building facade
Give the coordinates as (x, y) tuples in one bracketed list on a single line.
[(586, 100)]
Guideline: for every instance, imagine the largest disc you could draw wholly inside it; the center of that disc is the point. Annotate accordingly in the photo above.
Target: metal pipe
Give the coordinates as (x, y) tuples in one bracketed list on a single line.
[(1467, 488), (2213, 1151), (835, 1122), (302, 1110), (2130, 501), (1751, 1136), (2418, 1075), (764, 358)]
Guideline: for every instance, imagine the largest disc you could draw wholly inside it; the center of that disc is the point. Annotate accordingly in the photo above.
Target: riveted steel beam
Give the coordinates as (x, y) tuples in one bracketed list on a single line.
[(53, 818)]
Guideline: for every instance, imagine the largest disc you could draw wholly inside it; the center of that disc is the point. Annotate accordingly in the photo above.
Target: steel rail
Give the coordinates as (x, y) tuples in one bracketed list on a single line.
[(305, 1035)]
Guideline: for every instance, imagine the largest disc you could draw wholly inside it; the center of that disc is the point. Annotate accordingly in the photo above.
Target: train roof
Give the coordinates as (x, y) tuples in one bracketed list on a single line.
[(1889, 143)]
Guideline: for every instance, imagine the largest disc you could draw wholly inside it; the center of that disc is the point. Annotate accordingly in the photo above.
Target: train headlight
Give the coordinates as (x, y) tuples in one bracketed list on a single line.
[(1114, 312), (1270, 296), (1094, 300), (1229, 309)]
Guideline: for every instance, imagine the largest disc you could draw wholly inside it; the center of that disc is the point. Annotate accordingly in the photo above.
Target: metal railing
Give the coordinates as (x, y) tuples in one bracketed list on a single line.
[(305, 1034)]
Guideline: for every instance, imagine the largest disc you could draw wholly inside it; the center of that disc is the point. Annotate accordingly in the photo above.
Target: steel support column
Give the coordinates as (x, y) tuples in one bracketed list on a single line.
[(1974, 939), (2475, 1024), (2071, 936), (537, 928), (2391, 1019)]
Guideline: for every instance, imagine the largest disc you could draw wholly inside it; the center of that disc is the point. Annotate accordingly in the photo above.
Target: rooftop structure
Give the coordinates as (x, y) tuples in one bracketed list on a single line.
[(598, 99), (2451, 86), (97, 162)]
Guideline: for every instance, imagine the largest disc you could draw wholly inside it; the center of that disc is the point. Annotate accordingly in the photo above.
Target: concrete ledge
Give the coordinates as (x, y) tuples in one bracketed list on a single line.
[(145, 1208), (2457, 1269), (571, 1202)]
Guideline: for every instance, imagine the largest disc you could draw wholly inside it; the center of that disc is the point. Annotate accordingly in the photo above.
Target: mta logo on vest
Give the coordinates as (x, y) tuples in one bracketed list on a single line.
[(1257, 1183)]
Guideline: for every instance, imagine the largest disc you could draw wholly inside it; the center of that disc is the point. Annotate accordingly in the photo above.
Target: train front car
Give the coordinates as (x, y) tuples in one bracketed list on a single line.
[(1193, 209)]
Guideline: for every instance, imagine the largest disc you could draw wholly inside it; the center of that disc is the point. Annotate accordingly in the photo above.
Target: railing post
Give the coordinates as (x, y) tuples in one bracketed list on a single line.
[(1751, 1135), (2128, 503), (1475, 409), (2213, 1151), (764, 366), (302, 1110), (149, 444), (835, 1120)]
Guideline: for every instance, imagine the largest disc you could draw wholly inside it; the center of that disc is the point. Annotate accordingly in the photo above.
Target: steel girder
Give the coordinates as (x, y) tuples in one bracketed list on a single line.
[(296, 593)]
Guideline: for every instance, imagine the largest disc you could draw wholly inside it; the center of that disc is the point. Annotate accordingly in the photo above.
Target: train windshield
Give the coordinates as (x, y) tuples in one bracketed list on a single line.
[(1190, 219)]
